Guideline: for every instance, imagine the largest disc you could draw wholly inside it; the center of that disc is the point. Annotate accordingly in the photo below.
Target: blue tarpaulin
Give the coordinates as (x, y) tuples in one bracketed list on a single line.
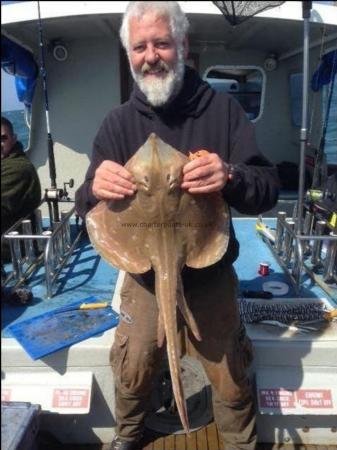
[(19, 62), (326, 71)]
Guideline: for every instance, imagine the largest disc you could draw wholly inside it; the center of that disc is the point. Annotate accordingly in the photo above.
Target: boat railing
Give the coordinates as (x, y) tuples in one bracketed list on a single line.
[(313, 253), (32, 245)]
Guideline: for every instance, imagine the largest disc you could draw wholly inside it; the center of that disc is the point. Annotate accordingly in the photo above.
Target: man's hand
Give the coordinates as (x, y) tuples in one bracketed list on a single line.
[(112, 181), (207, 173)]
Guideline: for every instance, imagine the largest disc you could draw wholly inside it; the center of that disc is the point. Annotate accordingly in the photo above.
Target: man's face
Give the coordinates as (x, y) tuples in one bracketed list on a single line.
[(157, 64), (8, 141)]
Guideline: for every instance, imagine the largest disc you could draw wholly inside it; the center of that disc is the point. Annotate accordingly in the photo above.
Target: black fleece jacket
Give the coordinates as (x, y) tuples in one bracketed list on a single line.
[(197, 118), (20, 187)]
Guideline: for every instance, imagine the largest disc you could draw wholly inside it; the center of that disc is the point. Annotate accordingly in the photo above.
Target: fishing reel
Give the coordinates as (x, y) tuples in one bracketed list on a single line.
[(53, 194), (65, 195)]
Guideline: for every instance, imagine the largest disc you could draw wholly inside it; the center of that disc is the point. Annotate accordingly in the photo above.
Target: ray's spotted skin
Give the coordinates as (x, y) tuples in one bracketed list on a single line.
[(162, 227)]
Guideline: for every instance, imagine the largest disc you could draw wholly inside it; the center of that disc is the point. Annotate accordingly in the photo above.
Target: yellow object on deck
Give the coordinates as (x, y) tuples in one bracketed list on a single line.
[(94, 305), (265, 230), (330, 315), (333, 220)]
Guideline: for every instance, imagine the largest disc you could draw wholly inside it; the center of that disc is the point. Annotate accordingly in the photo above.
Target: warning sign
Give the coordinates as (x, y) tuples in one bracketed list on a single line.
[(273, 398), (314, 398), (6, 395), (69, 393), (277, 398), (70, 398)]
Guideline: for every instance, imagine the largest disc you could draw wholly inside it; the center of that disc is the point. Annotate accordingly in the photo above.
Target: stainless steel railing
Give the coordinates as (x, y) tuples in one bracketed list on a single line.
[(313, 253), (50, 247)]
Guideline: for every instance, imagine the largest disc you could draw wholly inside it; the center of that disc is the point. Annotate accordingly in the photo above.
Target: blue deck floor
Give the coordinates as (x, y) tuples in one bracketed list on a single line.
[(86, 275)]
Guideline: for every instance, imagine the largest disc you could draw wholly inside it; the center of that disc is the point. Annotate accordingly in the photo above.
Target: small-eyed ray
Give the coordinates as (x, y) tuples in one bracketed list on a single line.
[(164, 228)]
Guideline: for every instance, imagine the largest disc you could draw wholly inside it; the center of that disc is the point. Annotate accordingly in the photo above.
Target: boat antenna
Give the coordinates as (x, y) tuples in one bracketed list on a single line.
[(306, 12), (52, 194)]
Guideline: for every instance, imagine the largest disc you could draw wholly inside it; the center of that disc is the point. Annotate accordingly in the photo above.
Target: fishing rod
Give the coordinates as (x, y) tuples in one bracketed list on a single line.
[(306, 13), (319, 177), (52, 194)]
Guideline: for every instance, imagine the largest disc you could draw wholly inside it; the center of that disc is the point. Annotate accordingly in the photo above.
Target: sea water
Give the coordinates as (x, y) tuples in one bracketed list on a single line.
[(17, 118)]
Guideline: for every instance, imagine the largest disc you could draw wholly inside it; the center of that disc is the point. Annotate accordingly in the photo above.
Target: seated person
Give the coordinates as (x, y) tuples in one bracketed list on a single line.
[(20, 184)]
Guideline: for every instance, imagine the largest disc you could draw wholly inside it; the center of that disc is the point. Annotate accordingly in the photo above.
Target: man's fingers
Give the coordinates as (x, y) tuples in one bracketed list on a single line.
[(112, 181), (204, 166), (203, 186), (103, 194), (118, 188), (205, 174), (198, 172), (206, 189), (115, 186), (116, 182), (195, 164), (122, 173), (114, 172)]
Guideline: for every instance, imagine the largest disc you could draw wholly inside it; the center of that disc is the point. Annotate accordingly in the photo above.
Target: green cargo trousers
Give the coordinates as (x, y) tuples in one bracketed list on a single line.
[(225, 353)]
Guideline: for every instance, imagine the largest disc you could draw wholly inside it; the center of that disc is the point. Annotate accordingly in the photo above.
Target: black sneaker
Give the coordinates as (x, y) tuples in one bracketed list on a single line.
[(118, 444)]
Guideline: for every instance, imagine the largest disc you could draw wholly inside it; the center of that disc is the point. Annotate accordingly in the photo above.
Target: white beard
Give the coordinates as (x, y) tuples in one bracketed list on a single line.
[(159, 90)]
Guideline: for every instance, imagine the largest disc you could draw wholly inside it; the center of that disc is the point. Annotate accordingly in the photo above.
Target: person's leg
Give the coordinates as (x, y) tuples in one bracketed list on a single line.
[(225, 352), (233, 400), (135, 358)]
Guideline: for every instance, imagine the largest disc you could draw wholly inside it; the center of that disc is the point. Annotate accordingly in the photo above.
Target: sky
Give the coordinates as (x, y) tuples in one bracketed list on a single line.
[(9, 100)]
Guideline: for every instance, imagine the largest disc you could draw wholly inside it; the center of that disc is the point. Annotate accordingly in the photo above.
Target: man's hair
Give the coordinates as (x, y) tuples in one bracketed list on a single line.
[(177, 18), (8, 124)]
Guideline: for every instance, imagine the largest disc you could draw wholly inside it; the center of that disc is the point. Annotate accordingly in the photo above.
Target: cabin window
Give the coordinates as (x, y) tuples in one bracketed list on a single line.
[(245, 83), (14, 110), (295, 87)]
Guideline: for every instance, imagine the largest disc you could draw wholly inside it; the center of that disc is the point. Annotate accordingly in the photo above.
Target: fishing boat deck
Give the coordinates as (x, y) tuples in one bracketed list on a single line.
[(308, 357), (207, 438)]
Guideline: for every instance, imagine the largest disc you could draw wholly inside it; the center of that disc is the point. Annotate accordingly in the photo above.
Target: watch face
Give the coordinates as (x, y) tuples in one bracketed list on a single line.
[(230, 172)]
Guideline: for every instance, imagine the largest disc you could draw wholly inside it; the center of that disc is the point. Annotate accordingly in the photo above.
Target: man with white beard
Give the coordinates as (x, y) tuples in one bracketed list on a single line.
[(171, 100)]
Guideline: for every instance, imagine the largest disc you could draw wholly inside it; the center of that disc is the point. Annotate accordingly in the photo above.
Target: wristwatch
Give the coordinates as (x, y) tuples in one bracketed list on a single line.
[(231, 172)]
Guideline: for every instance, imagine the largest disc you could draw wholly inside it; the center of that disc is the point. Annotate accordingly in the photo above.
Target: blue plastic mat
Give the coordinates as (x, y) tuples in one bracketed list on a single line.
[(62, 327)]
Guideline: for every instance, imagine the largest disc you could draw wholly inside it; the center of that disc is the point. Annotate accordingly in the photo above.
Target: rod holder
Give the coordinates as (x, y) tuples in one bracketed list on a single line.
[(288, 242), (16, 256), (317, 246), (55, 243), (28, 243), (307, 230), (330, 260), (49, 252), (66, 230), (58, 242), (279, 235), (39, 228)]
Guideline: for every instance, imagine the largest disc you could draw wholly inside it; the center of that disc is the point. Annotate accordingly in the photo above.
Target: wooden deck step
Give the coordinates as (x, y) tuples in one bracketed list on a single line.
[(206, 438)]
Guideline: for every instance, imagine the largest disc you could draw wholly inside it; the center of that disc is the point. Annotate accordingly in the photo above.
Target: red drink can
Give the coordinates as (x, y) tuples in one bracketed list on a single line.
[(264, 269)]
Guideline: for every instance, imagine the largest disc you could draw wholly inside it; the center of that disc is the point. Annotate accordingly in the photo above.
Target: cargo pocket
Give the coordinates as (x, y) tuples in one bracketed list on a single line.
[(127, 289), (118, 356), (245, 347)]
